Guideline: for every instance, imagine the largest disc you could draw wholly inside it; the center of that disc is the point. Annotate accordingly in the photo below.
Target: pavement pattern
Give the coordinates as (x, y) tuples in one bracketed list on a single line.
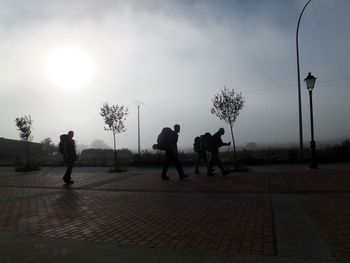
[(277, 213)]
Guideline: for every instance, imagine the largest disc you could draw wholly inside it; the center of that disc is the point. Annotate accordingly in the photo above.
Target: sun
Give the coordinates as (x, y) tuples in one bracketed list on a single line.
[(70, 68)]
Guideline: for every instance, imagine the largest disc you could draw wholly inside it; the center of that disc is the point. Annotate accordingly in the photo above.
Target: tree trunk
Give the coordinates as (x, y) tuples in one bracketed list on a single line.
[(234, 145), (27, 150), (115, 150)]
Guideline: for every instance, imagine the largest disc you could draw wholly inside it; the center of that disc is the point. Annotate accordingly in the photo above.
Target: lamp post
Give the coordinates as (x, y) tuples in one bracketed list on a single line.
[(301, 145), (310, 84), (138, 104)]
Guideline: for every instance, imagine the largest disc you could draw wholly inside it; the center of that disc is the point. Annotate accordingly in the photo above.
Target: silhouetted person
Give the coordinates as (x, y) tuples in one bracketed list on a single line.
[(69, 156), (172, 155), (215, 144), (200, 147)]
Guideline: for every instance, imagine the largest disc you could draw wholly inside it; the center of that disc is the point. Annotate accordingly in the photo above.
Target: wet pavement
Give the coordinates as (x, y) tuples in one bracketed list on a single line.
[(268, 214)]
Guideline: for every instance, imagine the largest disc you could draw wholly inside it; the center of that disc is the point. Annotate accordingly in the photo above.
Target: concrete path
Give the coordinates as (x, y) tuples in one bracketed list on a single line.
[(269, 214)]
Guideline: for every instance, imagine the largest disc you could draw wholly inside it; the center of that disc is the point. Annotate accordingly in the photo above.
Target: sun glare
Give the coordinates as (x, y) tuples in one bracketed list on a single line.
[(70, 68)]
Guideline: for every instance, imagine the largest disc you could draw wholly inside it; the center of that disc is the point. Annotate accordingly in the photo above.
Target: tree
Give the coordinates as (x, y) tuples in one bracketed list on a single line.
[(251, 146), (48, 146), (99, 144), (24, 126), (227, 105), (114, 117)]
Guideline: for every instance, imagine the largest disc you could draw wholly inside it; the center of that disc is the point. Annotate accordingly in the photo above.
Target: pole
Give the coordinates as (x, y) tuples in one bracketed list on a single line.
[(138, 127), (313, 164), (138, 104), (301, 145)]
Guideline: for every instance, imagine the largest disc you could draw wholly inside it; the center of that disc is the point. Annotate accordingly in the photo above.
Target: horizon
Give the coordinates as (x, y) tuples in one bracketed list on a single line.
[(189, 149)]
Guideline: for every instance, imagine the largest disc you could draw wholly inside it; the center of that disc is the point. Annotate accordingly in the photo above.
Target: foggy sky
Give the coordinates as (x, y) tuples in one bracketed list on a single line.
[(174, 56)]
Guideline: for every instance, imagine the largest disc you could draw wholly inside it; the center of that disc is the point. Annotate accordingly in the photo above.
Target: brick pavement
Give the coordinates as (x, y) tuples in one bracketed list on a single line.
[(331, 214), (52, 177), (228, 225), (326, 199), (231, 215), (335, 180), (236, 182)]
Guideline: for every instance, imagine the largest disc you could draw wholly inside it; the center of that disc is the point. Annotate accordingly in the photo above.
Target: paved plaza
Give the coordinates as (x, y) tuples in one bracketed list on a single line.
[(268, 214)]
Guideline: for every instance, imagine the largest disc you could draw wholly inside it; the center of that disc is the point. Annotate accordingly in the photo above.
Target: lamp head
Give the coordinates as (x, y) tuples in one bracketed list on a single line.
[(310, 82)]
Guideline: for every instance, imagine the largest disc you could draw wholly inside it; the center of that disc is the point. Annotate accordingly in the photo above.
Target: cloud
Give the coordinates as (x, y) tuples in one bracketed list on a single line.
[(175, 56)]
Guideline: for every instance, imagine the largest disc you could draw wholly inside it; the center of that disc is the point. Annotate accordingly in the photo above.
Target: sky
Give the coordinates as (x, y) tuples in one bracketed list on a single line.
[(61, 60)]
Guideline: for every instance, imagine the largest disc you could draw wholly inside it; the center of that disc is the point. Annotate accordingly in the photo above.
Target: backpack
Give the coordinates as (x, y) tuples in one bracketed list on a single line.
[(63, 139), (206, 142), (197, 144), (165, 138)]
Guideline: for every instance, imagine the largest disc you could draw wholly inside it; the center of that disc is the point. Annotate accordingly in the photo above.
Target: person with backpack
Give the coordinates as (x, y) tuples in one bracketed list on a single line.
[(215, 144), (200, 147), (167, 141), (67, 148)]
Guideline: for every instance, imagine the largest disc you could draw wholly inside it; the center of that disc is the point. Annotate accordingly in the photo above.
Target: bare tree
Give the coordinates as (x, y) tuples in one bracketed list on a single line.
[(114, 117), (227, 105), (24, 126)]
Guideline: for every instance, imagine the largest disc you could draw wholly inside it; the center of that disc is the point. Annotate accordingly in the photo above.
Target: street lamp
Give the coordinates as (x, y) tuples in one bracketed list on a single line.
[(138, 104), (301, 144), (310, 84)]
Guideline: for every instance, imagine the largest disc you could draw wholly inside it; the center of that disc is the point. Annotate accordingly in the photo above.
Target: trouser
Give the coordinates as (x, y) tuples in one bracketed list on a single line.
[(215, 159), (67, 174), (170, 157), (201, 155)]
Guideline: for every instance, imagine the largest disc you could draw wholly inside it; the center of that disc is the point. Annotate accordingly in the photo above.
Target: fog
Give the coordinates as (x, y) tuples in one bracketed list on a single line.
[(174, 56)]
